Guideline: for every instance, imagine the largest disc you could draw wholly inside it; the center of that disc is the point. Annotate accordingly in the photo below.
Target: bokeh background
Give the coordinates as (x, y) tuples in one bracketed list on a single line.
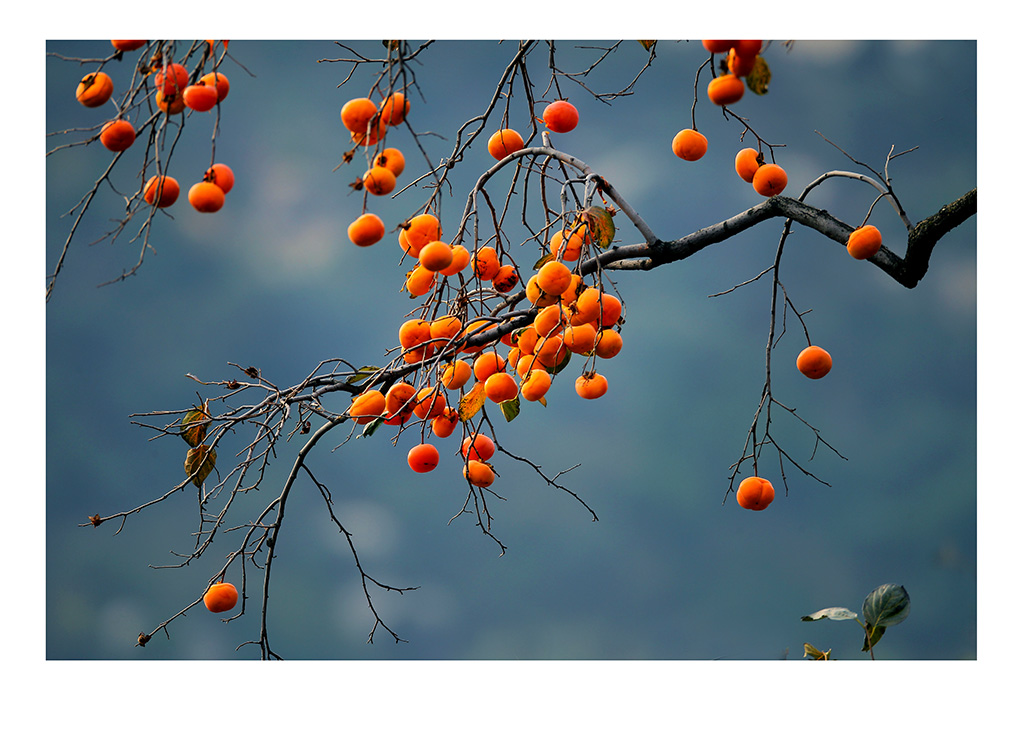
[(668, 571)]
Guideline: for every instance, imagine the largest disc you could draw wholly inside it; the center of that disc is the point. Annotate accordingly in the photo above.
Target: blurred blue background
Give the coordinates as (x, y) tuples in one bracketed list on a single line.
[(667, 572)]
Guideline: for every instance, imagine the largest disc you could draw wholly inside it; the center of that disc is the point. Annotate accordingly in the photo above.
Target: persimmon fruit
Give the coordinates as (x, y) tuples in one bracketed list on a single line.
[(220, 597), (394, 109), (379, 180), (172, 79), (478, 473), (814, 362), (554, 277), (95, 89), (536, 383), (367, 406), (747, 163), (219, 81), (171, 104), (485, 263), (689, 145), (561, 116), (161, 190), (591, 385), (357, 113), (117, 135), (200, 97), (725, 90), (717, 47), (864, 242), (422, 229), (755, 493), (504, 142), (505, 279), (206, 197), (436, 256), (366, 230), (478, 447), (222, 176), (460, 259), (391, 158), (128, 45), (423, 458), (445, 423), (770, 180), (500, 387), (456, 374)]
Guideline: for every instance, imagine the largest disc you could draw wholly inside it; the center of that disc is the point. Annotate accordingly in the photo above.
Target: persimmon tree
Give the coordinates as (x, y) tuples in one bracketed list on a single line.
[(512, 284)]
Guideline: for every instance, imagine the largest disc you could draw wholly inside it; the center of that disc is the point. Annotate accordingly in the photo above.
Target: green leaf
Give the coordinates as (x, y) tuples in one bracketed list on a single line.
[(361, 375), (759, 77), (872, 636), (600, 225), (831, 613), (193, 425), (888, 605), (199, 463), (371, 427), (510, 409), (544, 260)]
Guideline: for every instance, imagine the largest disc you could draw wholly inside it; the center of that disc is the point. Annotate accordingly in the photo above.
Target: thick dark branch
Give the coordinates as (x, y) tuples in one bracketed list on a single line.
[(928, 232), (907, 271)]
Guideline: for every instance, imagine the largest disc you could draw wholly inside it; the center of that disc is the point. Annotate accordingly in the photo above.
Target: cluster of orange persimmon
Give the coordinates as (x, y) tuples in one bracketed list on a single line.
[(768, 179), (571, 317), (173, 95)]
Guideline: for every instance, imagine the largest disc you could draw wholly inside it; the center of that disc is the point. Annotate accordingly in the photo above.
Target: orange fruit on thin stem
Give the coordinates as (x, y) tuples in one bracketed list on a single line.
[(394, 109), (500, 387), (200, 97), (423, 458), (591, 385), (505, 279), (172, 79), (478, 447), (445, 423), (172, 104), (366, 230), (747, 163), (222, 176), (561, 116), (535, 384), (689, 145), (485, 263), (206, 197), (460, 259), (422, 229), (379, 180), (755, 493), (128, 45), (456, 374), (357, 113), (478, 473), (117, 135), (391, 158), (95, 89), (717, 47), (725, 90), (220, 597), (814, 362), (162, 190), (367, 406), (504, 142), (554, 277), (219, 81), (436, 255), (770, 180), (864, 242)]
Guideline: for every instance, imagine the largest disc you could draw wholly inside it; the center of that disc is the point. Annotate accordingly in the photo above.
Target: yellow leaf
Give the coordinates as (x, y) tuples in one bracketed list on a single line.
[(199, 462), (472, 402)]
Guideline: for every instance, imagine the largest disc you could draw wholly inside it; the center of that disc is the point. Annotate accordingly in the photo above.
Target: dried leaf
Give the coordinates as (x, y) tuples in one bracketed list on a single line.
[(810, 652), (600, 225), (472, 402), (199, 463), (194, 424), (759, 77)]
